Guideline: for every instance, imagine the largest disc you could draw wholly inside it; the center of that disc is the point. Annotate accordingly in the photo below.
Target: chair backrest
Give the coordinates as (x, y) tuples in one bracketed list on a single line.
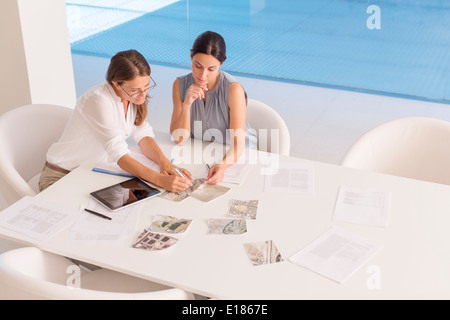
[(415, 147), (26, 134), (30, 273), (271, 130)]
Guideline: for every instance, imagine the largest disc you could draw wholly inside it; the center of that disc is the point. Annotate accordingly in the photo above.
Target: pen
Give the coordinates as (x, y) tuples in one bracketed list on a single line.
[(179, 173), (178, 170), (97, 214)]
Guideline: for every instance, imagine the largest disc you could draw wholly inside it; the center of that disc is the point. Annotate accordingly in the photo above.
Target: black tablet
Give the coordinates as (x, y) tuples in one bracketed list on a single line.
[(125, 193)]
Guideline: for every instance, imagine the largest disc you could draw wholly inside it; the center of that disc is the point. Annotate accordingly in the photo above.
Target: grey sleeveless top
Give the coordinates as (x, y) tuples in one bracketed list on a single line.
[(210, 122)]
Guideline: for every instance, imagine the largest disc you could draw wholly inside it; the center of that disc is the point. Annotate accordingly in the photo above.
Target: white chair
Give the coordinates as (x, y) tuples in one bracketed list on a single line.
[(416, 147), (26, 134), (30, 273), (271, 130)]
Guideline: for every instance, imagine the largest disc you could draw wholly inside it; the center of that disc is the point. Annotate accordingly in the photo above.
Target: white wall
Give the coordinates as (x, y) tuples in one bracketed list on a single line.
[(35, 59)]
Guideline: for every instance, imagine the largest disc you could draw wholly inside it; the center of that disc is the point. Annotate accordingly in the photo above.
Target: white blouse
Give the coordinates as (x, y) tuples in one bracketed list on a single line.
[(97, 130)]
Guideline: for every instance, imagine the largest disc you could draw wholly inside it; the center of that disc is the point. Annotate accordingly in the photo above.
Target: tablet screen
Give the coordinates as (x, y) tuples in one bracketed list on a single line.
[(125, 193)]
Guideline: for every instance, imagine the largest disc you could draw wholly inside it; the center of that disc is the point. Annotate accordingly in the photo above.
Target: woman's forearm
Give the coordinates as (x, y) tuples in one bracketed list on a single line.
[(237, 145), (181, 127), (151, 150), (137, 169)]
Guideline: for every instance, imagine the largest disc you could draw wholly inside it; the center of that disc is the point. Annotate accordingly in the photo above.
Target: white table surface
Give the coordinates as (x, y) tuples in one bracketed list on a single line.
[(414, 262)]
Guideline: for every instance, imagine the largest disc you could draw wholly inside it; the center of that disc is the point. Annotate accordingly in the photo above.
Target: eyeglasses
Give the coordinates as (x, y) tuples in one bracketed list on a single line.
[(139, 92)]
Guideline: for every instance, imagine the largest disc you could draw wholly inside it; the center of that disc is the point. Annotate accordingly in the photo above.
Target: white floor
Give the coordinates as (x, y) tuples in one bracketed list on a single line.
[(323, 122)]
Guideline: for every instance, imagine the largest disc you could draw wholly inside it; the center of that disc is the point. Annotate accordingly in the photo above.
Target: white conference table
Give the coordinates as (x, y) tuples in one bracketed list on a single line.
[(414, 262)]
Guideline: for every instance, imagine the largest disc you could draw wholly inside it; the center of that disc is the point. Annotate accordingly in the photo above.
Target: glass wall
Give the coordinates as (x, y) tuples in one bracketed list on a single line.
[(392, 47)]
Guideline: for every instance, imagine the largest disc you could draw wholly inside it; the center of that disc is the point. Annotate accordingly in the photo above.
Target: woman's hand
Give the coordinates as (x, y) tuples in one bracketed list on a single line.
[(216, 174), (167, 167), (195, 92), (174, 183)]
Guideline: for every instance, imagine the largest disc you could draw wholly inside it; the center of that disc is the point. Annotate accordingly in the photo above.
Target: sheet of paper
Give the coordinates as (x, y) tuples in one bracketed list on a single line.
[(291, 178), (336, 254), (236, 174), (37, 219), (227, 226), (263, 252), (78, 238), (123, 221), (362, 206)]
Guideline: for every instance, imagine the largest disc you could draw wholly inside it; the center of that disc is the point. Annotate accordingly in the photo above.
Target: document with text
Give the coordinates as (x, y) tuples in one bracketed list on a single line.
[(237, 173), (356, 205), (291, 178), (337, 254), (37, 219)]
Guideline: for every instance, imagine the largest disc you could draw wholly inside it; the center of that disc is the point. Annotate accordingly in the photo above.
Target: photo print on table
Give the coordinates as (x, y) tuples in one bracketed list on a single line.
[(180, 196), (169, 224), (199, 190), (208, 192), (153, 241), (264, 252), (227, 226), (243, 208)]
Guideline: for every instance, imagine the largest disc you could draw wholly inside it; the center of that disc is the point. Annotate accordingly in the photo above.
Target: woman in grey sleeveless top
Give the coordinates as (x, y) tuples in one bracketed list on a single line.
[(209, 104)]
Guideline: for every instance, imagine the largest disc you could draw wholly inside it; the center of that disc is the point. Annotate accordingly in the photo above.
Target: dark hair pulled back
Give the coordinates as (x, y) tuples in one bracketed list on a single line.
[(211, 43)]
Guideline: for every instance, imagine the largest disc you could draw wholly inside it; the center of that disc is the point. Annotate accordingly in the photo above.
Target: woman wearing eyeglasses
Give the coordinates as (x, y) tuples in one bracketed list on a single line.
[(104, 117), (209, 104)]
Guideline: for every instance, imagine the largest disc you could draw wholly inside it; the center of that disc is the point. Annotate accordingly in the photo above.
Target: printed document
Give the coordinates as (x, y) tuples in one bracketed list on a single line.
[(362, 206), (336, 254), (37, 219), (237, 173), (291, 178)]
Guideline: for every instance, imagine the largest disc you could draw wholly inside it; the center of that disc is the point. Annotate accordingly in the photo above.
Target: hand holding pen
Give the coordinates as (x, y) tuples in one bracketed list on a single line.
[(179, 172), (171, 180)]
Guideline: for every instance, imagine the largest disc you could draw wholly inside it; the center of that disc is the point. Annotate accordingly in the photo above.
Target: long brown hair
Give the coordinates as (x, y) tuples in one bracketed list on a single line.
[(125, 66)]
